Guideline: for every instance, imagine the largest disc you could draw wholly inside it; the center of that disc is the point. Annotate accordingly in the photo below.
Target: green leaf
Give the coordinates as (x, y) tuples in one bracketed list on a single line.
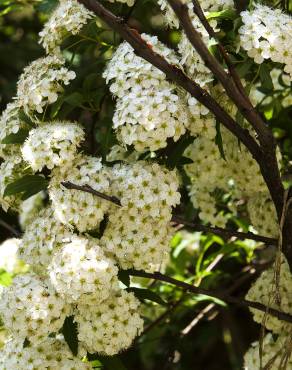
[(47, 6), (146, 294), (5, 278), (243, 68), (124, 277), (25, 118), (75, 99), (70, 332), (17, 138), (175, 157), (223, 14), (28, 185), (219, 141), (265, 78)]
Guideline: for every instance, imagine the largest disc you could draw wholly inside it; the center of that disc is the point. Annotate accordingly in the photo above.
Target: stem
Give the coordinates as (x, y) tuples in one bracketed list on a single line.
[(214, 294)]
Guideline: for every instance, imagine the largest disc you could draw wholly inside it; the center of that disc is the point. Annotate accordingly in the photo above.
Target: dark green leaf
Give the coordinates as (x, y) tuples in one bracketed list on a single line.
[(219, 141), (265, 77), (176, 154), (28, 185), (47, 6), (17, 138), (146, 294), (124, 277), (75, 99), (25, 118), (70, 333)]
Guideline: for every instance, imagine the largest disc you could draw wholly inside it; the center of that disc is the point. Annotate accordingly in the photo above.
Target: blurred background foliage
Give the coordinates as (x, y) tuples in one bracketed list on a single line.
[(182, 331)]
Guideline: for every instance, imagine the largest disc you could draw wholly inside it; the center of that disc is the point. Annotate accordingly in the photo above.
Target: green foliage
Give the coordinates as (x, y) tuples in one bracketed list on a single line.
[(28, 185)]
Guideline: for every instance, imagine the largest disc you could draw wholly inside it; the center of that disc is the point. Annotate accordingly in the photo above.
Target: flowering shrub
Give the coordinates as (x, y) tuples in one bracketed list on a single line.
[(103, 169)]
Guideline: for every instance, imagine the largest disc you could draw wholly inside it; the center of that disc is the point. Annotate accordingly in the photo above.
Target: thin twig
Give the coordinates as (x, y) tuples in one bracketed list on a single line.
[(214, 294), (177, 219)]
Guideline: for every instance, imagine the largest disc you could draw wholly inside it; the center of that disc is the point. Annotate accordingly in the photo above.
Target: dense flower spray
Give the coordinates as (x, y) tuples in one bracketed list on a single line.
[(74, 272)]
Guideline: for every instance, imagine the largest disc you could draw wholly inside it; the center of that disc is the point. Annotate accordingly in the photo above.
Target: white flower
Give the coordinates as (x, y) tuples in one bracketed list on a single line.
[(52, 144), (74, 207), (272, 353), (8, 254), (41, 240), (30, 308), (137, 240), (264, 35), (111, 326), (263, 291), (10, 124), (41, 82), (81, 273), (51, 354), (69, 17)]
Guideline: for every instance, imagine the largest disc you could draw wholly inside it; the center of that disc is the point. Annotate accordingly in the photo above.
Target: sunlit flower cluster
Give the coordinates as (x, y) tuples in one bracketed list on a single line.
[(76, 208), (41, 82), (10, 124), (149, 109), (69, 17), (52, 144), (52, 354), (265, 35), (264, 291), (110, 326)]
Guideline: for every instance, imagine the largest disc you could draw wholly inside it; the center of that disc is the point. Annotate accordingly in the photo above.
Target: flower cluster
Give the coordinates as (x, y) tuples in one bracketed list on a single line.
[(149, 109), (237, 174), (110, 326), (41, 82), (32, 309), (10, 124), (52, 354), (69, 17), (73, 207), (80, 272), (264, 291), (41, 239), (265, 35), (273, 351), (52, 144)]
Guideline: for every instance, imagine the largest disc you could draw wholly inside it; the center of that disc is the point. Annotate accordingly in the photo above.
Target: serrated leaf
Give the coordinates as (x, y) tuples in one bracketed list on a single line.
[(146, 294), (265, 78), (70, 332), (124, 277), (17, 138), (28, 185), (219, 141)]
